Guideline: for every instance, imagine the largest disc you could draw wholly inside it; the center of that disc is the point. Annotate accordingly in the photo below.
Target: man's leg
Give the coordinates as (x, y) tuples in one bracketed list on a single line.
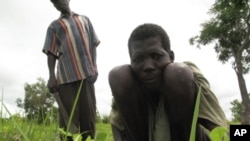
[(131, 103), (179, 100), (67, 93), (87, 108)]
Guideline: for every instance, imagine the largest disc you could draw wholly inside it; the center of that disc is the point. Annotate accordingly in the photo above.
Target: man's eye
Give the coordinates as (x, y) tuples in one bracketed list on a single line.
[(156, 56), (137, 59)]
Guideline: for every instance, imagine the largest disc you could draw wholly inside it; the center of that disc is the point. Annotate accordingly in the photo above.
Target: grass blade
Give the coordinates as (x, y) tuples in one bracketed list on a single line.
[(15, 123), (195, 116)]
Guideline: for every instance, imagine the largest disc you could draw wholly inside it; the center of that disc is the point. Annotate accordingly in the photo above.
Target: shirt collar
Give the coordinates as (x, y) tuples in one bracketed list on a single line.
[(72, 14)]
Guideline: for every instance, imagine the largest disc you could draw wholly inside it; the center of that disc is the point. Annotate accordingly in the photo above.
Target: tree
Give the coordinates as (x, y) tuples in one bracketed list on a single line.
[(236, 110), (229, 29), (19, 103), (38, 101)]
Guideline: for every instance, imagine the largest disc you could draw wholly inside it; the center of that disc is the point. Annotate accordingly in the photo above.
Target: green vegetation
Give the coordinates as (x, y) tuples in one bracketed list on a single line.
[(219, 134), (38, 102), (236, 110), (41, 132), (41, 120), (228, 30)]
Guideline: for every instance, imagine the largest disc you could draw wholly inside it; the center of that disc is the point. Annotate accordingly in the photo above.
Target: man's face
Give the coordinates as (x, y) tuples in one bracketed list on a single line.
[(148, 59), (62, 5)]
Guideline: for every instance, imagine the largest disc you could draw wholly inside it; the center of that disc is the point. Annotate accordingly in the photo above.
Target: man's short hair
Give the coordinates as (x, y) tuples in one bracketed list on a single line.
[(148, 30), (54, 1)]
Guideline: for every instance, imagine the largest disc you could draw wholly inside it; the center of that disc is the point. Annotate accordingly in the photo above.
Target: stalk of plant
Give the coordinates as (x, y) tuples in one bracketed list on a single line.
[(15, 123), (1, 110), (195, 116), (73, 110)]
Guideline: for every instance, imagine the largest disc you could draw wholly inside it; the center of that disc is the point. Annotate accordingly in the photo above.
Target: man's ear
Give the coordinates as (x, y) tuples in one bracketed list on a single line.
[(172, 56)]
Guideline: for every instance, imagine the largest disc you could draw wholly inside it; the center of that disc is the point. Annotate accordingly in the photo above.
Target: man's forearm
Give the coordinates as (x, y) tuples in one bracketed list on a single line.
[(94, 56), (52, 82), (51, 64)]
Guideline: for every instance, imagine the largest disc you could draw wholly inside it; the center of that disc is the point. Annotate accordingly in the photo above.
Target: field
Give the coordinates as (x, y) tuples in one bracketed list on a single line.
[(21, 130)]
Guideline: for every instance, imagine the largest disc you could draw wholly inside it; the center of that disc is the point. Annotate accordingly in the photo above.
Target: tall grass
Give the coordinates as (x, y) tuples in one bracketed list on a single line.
[(15, 123), (43, 132), (17, 128)]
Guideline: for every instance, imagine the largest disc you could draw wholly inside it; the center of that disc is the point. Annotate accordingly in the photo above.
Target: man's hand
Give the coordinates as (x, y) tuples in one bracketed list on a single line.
[(92, 79), (52, 85)]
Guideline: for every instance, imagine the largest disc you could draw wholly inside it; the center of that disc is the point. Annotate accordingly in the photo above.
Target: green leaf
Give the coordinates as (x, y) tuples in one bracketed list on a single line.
[(77, 137), (195, 116), (219, 134)]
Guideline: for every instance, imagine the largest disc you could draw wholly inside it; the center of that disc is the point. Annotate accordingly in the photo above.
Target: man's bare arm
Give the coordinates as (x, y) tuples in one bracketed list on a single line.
[(52, 82)]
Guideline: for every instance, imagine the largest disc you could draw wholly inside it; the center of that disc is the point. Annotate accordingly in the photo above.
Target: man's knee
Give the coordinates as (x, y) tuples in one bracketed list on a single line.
[(179, 92), (121, 79), (178, 75)]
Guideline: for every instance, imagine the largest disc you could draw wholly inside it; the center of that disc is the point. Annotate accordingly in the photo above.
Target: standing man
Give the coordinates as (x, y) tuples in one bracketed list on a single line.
[(71, 41)]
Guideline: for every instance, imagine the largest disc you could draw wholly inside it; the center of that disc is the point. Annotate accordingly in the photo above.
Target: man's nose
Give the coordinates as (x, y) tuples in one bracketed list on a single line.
[(148, 65)]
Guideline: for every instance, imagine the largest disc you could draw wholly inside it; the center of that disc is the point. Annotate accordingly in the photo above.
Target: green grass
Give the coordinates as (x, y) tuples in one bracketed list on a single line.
[(20, 129), (104, 132), (32, 131), (43, 132)]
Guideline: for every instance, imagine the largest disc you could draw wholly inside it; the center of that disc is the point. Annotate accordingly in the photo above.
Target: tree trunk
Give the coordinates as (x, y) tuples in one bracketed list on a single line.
[(244, 94), (245, 100)]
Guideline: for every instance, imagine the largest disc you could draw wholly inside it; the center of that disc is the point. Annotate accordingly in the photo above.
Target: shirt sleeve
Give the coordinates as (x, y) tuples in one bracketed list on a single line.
[(51, 42), (93, 37)]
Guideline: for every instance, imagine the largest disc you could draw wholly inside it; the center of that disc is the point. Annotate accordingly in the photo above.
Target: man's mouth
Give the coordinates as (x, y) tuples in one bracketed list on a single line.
[(151, 80)]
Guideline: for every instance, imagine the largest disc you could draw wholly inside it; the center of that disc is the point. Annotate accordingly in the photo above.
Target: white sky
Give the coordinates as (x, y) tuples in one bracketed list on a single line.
[(23, 26)]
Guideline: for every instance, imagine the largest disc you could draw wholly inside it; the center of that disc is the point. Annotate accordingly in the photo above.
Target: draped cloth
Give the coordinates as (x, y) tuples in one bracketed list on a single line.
[(209, 105)]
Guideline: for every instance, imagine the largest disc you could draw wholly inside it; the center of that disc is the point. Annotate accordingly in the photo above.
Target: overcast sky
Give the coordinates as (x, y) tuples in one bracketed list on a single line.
[(23, 26)]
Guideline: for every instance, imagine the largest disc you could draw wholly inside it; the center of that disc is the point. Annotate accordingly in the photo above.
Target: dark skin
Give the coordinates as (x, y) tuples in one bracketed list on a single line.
[(63, 7), (152, 71)]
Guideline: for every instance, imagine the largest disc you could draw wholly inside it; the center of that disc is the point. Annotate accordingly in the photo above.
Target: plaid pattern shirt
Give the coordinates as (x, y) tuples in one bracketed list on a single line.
[(72, 39)]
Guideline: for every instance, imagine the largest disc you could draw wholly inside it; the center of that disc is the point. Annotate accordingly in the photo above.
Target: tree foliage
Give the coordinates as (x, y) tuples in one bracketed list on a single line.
[(229, 30), (19, 103), (236, 110), (38, 101)]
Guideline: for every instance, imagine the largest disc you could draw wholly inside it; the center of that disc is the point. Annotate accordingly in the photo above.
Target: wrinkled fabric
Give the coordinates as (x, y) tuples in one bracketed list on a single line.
[(159, 122), (209, 106), (72, 39)]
